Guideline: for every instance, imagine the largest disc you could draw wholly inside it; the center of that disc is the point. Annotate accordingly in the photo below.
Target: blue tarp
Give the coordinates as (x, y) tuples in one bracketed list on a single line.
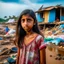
[(55, 40), (48, 39), (61, 26)]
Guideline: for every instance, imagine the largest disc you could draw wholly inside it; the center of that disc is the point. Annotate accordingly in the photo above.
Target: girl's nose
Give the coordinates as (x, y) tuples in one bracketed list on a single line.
[(26, 23)]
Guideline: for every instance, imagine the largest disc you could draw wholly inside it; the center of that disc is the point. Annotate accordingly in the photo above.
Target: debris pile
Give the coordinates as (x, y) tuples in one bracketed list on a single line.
[(8, 50)]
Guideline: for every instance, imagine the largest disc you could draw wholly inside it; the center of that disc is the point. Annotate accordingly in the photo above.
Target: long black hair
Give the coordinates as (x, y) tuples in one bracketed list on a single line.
[(20, 32)]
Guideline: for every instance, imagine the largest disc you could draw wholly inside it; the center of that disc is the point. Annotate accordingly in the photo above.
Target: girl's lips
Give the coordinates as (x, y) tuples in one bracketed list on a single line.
[(26, 30)]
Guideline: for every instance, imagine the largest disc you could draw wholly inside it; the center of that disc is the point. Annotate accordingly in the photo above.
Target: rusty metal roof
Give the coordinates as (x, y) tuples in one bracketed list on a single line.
[(49, 8)]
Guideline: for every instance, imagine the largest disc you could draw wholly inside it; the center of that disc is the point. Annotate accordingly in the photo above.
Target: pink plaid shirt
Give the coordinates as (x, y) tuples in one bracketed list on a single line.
[(29, 54)]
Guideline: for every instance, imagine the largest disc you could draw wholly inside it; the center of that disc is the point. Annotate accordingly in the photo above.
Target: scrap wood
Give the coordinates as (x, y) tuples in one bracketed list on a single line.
[(57, 32), (9, 36), (5, 43), (61, 22), (6, 50), (61, 48), (1, 41), (4, 56), (54, 28)]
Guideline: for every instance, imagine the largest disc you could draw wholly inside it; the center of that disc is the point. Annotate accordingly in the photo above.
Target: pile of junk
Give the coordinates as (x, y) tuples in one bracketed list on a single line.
[(54, 38), (8, 51)]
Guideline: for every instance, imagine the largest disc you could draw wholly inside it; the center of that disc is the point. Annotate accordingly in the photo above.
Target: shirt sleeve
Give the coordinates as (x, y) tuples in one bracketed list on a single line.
[(40, 42)]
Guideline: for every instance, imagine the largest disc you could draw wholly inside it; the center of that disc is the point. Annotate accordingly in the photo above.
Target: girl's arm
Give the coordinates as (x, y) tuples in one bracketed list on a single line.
[(42, 56)]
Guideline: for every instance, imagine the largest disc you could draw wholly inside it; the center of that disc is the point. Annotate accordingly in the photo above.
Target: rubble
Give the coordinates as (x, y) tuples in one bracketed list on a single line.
[(7, 48), (53, 36)]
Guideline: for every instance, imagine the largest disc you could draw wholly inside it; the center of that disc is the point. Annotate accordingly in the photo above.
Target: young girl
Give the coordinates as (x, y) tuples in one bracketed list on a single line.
[(29, 40)]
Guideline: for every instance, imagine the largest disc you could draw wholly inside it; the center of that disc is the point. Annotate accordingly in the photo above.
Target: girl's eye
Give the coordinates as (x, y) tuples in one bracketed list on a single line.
[(29, 20), (22, 20)]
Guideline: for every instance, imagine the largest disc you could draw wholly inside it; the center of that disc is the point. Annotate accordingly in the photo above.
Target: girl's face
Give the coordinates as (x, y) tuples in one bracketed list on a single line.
[(27, 22)]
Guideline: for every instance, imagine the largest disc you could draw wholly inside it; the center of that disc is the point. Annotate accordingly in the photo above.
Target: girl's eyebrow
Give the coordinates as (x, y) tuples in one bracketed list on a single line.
[(29, 19), (22, 19)]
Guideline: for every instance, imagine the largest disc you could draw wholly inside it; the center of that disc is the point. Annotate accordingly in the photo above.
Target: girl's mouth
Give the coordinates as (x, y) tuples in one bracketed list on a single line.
[(27, 29)]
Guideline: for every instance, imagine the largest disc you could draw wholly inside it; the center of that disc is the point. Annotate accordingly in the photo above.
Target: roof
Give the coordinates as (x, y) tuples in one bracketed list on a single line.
[(48, 8)]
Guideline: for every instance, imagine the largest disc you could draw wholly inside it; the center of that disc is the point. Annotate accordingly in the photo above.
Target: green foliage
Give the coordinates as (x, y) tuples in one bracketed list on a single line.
[(5, 19)]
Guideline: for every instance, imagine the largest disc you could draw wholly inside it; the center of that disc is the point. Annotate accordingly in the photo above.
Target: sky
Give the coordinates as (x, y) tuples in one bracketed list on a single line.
[(15, 7)]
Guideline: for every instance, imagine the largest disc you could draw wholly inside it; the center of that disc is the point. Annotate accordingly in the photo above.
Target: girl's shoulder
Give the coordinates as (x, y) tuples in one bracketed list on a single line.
[(39, 37)]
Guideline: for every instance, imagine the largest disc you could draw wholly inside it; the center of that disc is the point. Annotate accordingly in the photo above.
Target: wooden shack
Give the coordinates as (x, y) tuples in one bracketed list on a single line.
[(50, 14)]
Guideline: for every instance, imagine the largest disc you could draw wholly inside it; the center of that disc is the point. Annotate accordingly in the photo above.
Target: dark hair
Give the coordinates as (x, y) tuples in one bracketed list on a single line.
[(20, 32)]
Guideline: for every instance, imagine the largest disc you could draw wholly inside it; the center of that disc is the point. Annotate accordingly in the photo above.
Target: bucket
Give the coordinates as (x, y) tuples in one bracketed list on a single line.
[(14, 49)]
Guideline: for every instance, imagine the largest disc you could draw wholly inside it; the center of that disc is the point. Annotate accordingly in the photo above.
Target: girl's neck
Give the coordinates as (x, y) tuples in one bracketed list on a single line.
[(29, 33)]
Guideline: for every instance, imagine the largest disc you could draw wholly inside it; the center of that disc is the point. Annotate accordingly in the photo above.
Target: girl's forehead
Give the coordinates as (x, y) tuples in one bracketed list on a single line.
[(26, 16)]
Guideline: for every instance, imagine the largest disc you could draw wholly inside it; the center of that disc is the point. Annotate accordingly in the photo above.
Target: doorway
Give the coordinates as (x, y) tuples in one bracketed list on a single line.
[(58, 14)]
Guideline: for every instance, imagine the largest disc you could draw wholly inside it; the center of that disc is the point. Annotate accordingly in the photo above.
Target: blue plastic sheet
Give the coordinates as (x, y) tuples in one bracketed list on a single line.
[(61, 26), (55, 41), (11, 60), (62, 30), (6, 29), (1, 38)]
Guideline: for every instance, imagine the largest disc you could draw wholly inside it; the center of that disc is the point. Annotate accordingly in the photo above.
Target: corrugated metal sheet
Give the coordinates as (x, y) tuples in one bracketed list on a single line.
[(49, 8)]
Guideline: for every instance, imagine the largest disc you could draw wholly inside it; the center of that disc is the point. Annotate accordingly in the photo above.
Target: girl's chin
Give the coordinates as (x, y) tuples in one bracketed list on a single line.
[(27, 31)]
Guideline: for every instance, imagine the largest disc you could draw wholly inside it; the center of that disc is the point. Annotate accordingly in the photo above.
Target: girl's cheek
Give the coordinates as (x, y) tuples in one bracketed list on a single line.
[(22, 24), (31, 24)]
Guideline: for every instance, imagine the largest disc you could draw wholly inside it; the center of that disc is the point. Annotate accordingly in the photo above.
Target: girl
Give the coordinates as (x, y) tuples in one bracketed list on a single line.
[(29, 40)]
